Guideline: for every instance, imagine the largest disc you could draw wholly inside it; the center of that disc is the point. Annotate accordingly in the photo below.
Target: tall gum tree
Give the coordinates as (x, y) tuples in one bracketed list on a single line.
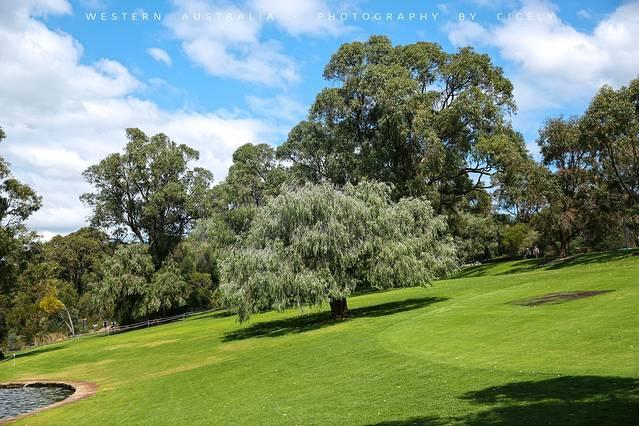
[(18, 201), (610, 129), (427, 121), (569, 191), (149, 192)]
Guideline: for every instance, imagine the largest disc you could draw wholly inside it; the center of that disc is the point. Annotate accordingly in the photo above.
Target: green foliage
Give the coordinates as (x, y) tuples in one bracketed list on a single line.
[(426, 121), (522, 190), (199, 258), (126, 284), (317, 244), (518, 237), (149, 192), (38, 282), (611, 128), (570, 188), (17, 203), (52, 304), (254, 176), (132, 289), (17, 200), (476, 236), (78, 256), (168, 289)]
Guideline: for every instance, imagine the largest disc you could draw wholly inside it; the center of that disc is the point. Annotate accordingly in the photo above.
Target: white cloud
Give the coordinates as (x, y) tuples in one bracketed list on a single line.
[(583, 13), (15, 11), (159, 55), (466, 33), (279, 106), (555, 63), (229, 48), (61, 116)]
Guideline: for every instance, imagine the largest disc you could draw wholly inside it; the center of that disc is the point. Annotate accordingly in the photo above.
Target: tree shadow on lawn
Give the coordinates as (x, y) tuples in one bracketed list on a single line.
[(420, 421), (564, 400), (38, 351), (523, 265), (590, 258), (528, 265), (314, 321)]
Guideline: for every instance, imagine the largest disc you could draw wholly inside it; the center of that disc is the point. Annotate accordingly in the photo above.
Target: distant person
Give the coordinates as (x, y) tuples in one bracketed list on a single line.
[(536, 252), (527, 253), (105, 324)]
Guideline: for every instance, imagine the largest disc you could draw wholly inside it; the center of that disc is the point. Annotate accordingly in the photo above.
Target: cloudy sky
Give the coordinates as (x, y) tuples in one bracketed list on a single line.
[(75, 74)]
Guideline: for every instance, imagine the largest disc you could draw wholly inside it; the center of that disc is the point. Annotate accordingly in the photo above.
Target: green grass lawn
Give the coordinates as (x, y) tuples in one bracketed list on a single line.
[(458, 352)]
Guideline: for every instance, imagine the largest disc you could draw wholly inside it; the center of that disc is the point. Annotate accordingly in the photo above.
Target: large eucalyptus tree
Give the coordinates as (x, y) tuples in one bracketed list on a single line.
[(427, 121), (149, 192)]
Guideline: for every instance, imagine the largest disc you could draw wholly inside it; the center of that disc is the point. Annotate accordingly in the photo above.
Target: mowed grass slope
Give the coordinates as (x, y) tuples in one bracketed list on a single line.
[(458, 352)]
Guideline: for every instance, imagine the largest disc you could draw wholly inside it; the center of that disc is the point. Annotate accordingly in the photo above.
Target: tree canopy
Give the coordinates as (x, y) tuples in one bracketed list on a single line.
[(131, 288), (427, 121), (318, 243), (149, 192), (610, 129), (78, 256), (17, 200), (254, 175)]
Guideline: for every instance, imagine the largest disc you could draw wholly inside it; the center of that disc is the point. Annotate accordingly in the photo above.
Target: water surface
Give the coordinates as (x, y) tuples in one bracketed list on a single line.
[(20, 399)]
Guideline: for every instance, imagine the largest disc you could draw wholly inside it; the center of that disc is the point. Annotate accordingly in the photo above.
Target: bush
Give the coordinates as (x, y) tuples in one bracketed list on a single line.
[(517, 238)]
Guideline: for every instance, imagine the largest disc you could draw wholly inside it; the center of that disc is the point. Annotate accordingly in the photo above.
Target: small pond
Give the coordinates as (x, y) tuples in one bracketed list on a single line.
[(16, 399)]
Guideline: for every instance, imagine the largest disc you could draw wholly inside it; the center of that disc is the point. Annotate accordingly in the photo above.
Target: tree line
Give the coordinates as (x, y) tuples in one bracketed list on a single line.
[(405, 168)]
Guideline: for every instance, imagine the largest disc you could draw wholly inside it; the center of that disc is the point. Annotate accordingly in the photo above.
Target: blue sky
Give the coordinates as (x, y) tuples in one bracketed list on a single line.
[(70, 85)]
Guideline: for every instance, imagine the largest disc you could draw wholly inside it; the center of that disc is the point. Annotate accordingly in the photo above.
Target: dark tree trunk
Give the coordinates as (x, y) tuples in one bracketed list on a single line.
[(339, 309), (563, 249)]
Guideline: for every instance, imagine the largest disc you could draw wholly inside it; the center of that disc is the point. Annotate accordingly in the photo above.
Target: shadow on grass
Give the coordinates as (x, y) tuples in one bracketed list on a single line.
[(591, 258), (564, 400), (38, 351), (487, 268), (527, 265), (314, 321), (420, 421)]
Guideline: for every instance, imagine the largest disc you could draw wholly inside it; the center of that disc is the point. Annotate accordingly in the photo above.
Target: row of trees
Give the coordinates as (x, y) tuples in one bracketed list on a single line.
[(586, 188), (406, 167)]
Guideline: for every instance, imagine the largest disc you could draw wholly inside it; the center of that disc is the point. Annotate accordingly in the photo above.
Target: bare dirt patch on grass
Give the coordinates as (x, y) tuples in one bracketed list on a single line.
[(558, 297)]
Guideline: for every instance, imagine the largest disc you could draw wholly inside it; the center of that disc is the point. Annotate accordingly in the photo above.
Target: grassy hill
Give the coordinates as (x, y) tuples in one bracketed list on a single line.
[(462, 351)]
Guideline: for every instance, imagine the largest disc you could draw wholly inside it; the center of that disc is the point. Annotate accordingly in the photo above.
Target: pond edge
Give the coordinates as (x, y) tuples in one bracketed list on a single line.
[(82, 390)]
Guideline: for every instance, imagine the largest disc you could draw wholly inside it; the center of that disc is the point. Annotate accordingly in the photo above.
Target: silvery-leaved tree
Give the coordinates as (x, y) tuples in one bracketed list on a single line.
[(317, 244), (132, 290)]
